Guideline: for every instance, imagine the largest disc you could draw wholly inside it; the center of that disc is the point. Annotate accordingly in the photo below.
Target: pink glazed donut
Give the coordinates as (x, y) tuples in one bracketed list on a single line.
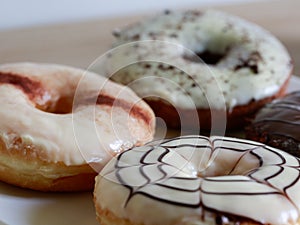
[(38, 147)]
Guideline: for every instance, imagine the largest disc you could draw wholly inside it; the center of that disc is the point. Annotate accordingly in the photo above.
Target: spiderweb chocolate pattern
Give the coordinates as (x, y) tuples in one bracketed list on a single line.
[(217, 174)]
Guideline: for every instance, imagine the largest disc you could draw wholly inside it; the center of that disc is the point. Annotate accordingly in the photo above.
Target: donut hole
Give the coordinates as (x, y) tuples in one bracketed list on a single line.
[(207, 56), (62, 105), (226, 162)]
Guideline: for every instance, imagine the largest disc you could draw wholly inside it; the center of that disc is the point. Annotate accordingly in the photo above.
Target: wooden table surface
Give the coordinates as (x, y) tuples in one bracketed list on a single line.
[(79, 44)]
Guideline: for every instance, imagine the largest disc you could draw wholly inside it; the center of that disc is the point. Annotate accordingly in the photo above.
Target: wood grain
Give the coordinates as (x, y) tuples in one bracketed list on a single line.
[(79, 44)]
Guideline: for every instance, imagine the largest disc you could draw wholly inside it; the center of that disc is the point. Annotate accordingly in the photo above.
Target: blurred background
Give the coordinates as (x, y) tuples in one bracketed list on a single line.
[(77, 32), (16, 13)]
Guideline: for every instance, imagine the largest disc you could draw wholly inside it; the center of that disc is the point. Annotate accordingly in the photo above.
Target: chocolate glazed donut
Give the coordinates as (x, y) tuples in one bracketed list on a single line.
[(277, 124)]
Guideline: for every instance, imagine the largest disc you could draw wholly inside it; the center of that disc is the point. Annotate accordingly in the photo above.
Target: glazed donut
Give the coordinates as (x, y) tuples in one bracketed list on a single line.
[(277, 124), (200, 61), (199, 180), (48, 144)]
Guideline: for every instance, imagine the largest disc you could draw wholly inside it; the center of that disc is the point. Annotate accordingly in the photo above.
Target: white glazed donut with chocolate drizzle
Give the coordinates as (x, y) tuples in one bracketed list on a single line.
[(47, 143), (200, 180), (250, 66)]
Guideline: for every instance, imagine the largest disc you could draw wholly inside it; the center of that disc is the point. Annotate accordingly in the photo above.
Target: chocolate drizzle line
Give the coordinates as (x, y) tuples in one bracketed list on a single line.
[(135, 110), (33, 89), (257, 150), (240, 159)]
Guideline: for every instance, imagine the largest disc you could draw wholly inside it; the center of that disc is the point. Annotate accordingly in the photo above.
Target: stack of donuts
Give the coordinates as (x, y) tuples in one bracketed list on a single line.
[(65, 129)]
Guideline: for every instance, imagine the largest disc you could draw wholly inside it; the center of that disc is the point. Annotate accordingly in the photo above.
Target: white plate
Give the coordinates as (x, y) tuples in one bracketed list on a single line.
[(24, 207)]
